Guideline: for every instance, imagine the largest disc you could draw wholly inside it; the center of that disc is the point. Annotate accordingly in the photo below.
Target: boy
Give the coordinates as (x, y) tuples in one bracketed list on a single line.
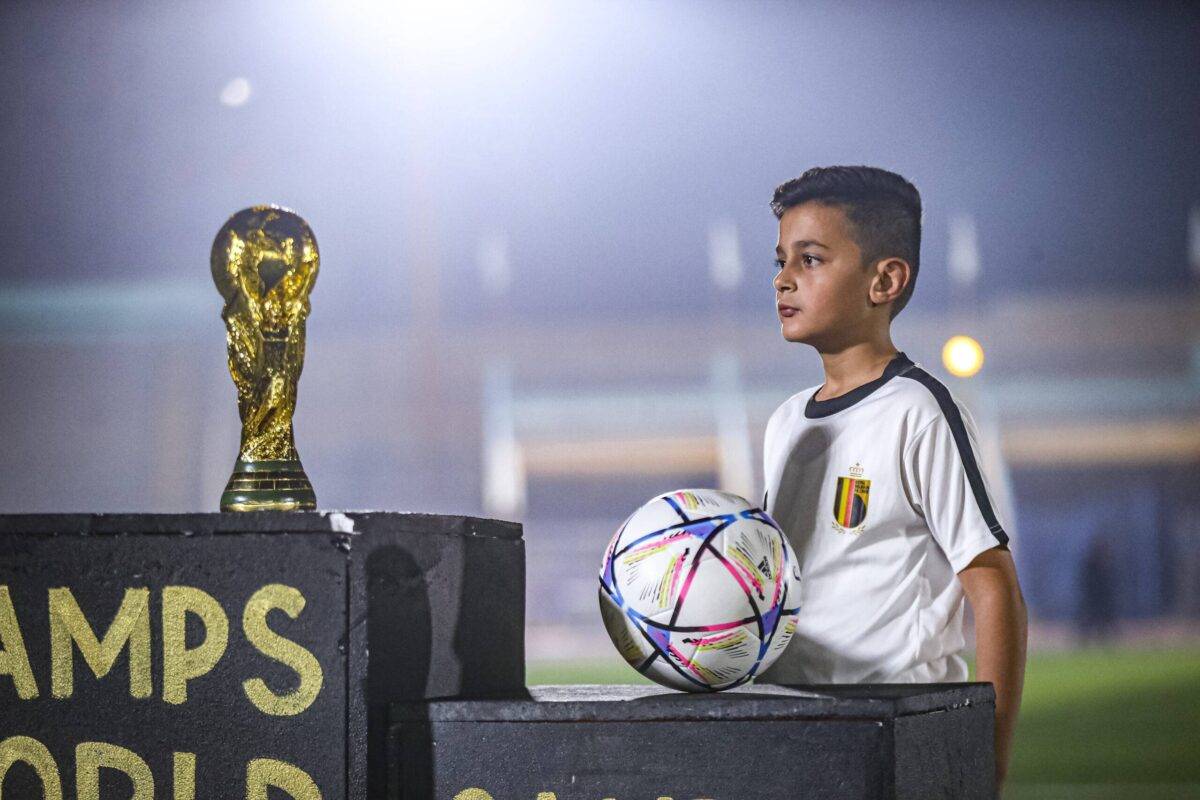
[(874, 475)]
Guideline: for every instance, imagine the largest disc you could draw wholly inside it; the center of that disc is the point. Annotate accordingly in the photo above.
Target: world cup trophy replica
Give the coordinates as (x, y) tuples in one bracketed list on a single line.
[(264, 262)]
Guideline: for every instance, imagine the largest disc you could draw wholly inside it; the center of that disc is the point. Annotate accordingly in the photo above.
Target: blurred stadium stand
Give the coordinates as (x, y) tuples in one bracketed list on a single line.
[(533, 219), (1089, 406)]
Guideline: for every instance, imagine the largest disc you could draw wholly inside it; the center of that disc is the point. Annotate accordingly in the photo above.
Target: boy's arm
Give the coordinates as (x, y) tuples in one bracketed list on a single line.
[(1001, 623)]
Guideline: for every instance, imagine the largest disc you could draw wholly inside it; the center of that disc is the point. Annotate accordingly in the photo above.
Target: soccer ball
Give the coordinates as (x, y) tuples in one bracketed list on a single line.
[(699, 590)]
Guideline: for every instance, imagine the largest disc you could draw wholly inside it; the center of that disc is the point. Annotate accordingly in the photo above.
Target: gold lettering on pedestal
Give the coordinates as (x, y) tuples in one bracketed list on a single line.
[(181, 663), (185, 776), (131, 624), (13, 658), (264, 772), (90, 757), (35, 754), (285, 651)]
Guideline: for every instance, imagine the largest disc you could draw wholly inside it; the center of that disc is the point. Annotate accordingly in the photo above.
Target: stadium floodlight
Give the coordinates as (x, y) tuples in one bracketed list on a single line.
[(962, 356)]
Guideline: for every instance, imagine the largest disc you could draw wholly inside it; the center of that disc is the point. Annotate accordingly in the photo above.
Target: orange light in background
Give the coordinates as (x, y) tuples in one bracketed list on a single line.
[(962, 356)]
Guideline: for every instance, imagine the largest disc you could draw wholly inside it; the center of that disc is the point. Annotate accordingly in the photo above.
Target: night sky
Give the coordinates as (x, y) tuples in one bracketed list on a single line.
[(599, 140)]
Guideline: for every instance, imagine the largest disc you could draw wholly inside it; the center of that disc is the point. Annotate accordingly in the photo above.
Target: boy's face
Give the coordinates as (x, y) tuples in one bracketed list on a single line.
[(821, 288)]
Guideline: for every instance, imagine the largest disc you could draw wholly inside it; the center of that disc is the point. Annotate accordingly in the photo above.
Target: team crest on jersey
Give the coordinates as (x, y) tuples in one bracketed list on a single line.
[(850, 501)]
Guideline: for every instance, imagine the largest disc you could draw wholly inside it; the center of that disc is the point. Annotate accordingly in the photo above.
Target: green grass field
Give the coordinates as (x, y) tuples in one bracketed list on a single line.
[(1100, 723)]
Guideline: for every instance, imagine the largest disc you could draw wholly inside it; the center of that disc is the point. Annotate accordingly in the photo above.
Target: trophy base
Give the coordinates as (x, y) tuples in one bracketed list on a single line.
[(268, 486)]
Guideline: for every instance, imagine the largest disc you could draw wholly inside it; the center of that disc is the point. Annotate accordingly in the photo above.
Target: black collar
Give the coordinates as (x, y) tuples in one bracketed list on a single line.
[(900, 363)]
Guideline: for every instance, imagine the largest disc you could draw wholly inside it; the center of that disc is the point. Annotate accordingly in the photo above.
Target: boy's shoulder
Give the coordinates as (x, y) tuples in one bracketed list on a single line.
[(924, 398)]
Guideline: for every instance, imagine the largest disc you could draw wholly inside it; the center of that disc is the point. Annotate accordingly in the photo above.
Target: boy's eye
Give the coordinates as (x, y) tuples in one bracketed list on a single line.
[(807, 259)]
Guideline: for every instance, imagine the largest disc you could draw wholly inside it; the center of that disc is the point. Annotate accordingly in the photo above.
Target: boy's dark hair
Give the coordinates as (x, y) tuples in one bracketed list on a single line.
[(883, 208)]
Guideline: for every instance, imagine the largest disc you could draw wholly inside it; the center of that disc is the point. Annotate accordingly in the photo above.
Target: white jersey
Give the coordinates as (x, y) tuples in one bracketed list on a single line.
[(881, 495)]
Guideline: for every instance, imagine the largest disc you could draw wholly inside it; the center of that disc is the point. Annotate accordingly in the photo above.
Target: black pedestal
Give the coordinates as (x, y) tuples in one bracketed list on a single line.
[(754, 743), (395, 607)]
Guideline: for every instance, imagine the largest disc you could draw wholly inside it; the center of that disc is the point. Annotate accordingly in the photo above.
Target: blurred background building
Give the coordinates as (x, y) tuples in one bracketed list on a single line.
[(545, 291)]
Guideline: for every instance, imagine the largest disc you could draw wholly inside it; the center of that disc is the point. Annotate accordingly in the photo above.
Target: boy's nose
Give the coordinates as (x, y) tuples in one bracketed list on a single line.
[(782, 282)]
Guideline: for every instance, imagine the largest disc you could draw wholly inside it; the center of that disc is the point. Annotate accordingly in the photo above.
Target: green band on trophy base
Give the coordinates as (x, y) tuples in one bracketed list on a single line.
[(268, 486)]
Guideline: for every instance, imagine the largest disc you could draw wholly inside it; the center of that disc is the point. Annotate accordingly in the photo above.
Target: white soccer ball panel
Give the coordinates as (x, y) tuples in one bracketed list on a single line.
[(675, 648), (656, 515), (701, 503), (650, 574), (632, 646), (756, 552), (724, 657), (779, 642), (714, 595)]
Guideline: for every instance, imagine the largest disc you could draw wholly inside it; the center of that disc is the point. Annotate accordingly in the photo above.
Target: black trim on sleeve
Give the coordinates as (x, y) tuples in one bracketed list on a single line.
[(974, 476)]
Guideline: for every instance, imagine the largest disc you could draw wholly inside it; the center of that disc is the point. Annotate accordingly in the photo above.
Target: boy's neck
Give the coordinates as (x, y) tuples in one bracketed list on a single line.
[(851, 367)]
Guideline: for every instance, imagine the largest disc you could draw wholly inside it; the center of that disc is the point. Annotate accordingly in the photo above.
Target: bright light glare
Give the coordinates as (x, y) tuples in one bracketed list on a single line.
[(467, 30), (963, 356), (236, 93)]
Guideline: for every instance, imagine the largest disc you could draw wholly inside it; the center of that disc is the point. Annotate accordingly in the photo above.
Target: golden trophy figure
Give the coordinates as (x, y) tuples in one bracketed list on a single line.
[(264, 262)]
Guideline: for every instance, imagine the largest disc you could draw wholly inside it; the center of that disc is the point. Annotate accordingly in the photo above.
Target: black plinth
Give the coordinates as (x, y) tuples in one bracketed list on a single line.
[(761, 742), (396, 607)]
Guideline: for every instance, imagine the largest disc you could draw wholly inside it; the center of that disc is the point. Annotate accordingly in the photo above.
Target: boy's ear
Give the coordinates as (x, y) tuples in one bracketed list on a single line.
[(891, 276)]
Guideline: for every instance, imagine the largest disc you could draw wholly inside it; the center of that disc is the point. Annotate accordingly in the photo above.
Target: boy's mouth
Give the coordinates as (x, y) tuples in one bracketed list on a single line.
[(787, 311)]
